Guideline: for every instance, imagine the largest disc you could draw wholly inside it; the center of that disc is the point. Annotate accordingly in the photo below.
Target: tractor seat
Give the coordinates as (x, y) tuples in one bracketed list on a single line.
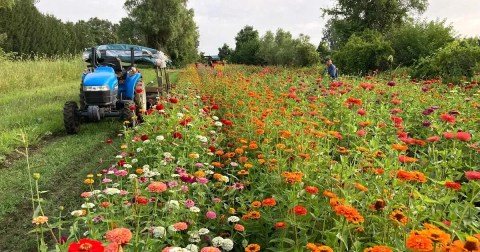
[(116, 62)]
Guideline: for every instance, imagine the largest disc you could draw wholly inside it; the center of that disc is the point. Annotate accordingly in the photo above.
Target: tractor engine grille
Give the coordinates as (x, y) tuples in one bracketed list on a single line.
[(100, 97)]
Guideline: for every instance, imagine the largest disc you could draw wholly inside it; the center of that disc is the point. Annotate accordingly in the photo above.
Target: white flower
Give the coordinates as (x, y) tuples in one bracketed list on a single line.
[(160, 138), (202, 139), (218, 124), (127, 166), (213, 132), (146, 141), (110, 172), (180, 115), (88, 205), (227, 244), (77, 213), (192, 247), (132, 176), (209, 172), (194, 209), (203, 231), (134, 161), (167, 155), (119, 156), (111, 191), (233, 219), (194, 237), (224, 179), (139, 149), (173, 204), (215, 118), (217, 241), (159, 232), (210, 153), (95, 192), (146, 167)]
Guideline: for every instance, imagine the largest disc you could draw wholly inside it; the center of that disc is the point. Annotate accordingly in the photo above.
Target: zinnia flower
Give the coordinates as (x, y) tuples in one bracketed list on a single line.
[(300, 210), (157, 187), (447, 118), (419, 243), (378, 249), (86, 245), (472, 175), (463, 136), (119, 235), (180, 226), (453, 185), (252, 248)]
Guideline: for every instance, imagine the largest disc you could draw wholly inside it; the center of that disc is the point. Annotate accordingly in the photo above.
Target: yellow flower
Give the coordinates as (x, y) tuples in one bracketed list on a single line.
[(193, 155), (88, 181), (123, 146), (40, 220)]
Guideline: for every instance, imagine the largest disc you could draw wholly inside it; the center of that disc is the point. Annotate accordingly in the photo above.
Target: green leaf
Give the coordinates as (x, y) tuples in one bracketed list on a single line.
[(283, 240)]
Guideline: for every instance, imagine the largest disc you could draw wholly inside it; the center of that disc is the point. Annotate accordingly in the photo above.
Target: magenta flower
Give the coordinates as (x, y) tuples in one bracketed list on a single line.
[(472, 175), (211, 215)]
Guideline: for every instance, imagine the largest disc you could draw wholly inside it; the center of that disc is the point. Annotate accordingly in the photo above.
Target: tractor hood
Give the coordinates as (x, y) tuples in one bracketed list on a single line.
[(102, 76)]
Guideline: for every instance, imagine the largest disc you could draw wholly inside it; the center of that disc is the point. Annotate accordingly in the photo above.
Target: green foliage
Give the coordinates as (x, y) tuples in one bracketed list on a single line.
[(415, 40), (225, 52), (127, 32), (247, 46), (367, 51), (351, 16), (457, 59), (167, 25)]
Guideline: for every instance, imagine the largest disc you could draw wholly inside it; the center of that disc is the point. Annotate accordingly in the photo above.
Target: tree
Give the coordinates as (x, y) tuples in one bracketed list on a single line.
[(415, 40), (351, 16), (305, 52), (225, 52), (167, 25), (247, 44), (128, 33)]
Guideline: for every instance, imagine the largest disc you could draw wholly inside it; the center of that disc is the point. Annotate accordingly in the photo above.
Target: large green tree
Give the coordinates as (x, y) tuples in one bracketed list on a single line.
[(247, 44), (167, 25), (348, 17), (225, 52)]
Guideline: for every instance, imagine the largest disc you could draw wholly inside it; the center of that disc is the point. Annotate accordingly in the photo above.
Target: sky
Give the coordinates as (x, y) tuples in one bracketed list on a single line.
[(219, 21)]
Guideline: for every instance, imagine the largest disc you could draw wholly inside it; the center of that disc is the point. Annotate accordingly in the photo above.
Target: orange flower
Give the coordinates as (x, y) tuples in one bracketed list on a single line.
[(300, 210), (242, 172), (378, 249), (329, 194), (419, 243), (248, 166), (256, 204), (360, 187), (399, 147), (350, 213), (311, 189), (252, 248), (399, 216), (404, 175), (323, 249), (119, 235), (407, 159), (259, 131), (269, 202), (254, 215), (436, 235), (471, 244)]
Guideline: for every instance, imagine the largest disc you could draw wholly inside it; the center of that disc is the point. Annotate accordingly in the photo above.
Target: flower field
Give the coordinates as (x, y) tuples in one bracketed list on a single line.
[(273, 159)]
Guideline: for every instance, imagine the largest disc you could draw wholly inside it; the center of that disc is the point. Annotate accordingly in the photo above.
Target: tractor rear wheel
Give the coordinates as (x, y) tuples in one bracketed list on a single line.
[(128, 113), (71, 117)]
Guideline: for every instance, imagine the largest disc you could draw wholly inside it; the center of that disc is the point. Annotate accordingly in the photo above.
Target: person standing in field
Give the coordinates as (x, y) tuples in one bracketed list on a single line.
[(331, 69)]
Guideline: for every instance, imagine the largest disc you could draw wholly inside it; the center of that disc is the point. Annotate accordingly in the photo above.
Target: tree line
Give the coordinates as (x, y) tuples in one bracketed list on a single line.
[(166, 25), (364, 36)]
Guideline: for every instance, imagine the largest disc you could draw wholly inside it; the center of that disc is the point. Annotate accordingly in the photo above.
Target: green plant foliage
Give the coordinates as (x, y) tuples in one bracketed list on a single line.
[(247, 45), (367, 51), (457, 59), (225, 52), (415, 40)]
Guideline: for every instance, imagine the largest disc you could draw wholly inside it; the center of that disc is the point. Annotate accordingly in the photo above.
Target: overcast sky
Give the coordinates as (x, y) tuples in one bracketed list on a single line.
[(220, 20)]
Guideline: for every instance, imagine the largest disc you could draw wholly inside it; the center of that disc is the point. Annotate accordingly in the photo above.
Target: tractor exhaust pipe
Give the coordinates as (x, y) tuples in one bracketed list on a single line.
[(132, 55), (93, 59)]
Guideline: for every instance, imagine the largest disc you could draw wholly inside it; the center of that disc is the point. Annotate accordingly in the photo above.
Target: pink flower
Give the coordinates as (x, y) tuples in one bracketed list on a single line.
[(239, 227), (121, 173), (447, 118), (180, 226), (202, 180), (463, 136), (362, 112), (433, 139), (119, 235), (210, 249), (472, 175), (157, 187), (448, 135), (217, 200), (112, 247), (189, 203), (211, 215), (86, 194)]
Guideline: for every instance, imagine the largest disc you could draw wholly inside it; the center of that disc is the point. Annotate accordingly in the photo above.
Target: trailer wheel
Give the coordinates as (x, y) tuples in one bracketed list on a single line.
[(128, 113), (71, 117)]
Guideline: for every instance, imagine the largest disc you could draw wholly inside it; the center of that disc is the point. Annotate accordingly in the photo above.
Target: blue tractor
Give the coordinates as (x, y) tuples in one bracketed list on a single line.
[(109, 88)]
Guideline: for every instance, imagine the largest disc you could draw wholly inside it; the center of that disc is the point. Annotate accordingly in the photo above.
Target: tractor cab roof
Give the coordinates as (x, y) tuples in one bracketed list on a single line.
[(123, 52)]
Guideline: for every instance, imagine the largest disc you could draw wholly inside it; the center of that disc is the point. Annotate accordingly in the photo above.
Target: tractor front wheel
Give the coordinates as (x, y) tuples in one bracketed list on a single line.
[(128, 112), (71, 117)]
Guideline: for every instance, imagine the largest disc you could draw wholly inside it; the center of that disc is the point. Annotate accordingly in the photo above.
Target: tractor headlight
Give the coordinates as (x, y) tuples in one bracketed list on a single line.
[(96, 88)]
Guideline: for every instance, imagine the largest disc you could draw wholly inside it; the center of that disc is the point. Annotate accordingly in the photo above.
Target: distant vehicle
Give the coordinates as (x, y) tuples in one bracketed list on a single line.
[(213, 61), (111, 89)]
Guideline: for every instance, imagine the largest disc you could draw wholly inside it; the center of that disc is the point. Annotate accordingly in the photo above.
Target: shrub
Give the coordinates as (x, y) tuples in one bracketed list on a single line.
[(366, 51)]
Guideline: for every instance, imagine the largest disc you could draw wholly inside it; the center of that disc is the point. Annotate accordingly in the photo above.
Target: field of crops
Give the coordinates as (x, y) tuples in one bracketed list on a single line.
[(273, 159)]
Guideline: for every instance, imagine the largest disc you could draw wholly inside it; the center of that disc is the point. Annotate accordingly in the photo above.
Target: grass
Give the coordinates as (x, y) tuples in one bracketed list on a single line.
[(32, 95)]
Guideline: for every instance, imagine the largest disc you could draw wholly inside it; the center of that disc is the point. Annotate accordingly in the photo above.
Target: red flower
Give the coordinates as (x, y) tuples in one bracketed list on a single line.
[(173, 100), (109, 141), (86, 245), (447, 118), (433, 139), (215, 107), (133, 108), (311, 189), (300, 210), (159, 106), (139, 90), (453, 185), (144, 137), (177, 135), (463, 136), (472, 175), (280, 225), (142, 200), (362, 112), (361, 133)]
